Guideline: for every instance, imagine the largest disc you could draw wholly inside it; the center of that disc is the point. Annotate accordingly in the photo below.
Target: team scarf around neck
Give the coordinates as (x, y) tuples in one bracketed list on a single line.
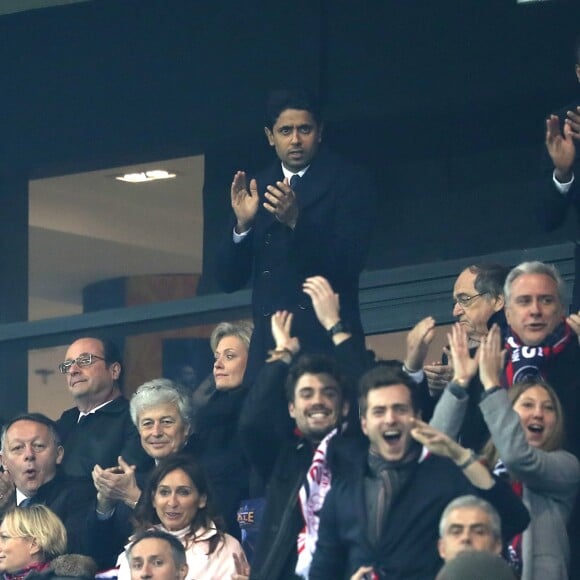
[(311, 497), (21, 574), (514, 549), (529, 361)]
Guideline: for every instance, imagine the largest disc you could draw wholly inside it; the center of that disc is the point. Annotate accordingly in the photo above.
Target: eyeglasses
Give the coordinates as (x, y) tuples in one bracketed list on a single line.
[(84, 360), (465, 301)]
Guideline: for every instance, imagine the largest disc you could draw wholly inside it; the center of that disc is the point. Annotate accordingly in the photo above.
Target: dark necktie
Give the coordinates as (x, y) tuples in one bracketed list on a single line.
[(294, 181)]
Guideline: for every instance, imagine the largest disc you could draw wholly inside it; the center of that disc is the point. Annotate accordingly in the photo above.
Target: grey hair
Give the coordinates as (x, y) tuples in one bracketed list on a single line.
[(177, 548), (33, 418), (472, 501), (160, 392), (241, 330), (535, 268)]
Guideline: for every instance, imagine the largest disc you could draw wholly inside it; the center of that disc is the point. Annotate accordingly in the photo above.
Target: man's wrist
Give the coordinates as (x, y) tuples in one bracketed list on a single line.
[(563, 176), (242, 227), (468, 458), (335, 328)]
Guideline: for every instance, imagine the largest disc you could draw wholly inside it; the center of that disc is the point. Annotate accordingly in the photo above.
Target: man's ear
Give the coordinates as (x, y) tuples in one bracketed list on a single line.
[(441, 548), (578, 72), (320, 130), (59, 454), (507, 314), (269, 136), (363, 424), (291, 410), (499, 303), (345, 408), (115, 370), (203, 501)]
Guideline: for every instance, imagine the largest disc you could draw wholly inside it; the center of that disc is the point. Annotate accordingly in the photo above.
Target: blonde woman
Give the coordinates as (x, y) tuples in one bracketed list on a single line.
[(32, 544)]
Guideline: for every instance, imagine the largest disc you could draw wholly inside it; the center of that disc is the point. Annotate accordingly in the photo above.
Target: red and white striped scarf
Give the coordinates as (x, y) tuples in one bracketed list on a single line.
[(311, 497)]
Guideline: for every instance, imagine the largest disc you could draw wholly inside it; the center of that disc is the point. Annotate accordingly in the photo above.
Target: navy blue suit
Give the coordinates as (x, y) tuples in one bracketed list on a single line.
[(337, 206), (554, 207)]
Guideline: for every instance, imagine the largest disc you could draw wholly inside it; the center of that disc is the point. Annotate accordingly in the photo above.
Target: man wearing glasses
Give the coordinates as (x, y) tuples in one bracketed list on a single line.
[(98, 429), (478, 302)]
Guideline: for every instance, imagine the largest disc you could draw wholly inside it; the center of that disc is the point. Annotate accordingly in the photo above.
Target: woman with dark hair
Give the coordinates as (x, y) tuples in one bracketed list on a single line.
[(527, 433), (33, 545), (177, 500)]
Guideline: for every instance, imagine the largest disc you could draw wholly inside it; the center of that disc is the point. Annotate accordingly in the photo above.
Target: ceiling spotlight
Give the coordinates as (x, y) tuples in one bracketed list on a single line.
[(145, 176)]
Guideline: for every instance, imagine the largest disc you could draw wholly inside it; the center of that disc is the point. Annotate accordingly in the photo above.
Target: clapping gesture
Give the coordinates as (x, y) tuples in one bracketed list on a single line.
[(244, 201), (464, 366), (491, 359)]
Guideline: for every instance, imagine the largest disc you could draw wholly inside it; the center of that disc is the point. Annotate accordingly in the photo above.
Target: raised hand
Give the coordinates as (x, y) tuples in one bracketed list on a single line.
[(325, 302), (242, 567), (561, 147), (418, 341), (282, 203), (436, 441), (244, 201), (574, 322), (281, 327), (6, 489), (491, 358), (464, 367), (573, 121)]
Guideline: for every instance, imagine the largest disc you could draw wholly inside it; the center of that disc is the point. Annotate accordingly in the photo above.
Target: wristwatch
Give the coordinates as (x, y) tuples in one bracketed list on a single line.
[(339, 327), (473, 457)]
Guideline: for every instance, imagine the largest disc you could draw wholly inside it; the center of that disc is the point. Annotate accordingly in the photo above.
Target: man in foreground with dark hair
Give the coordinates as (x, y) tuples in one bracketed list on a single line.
[(310, 213), (292, 428), (99, 428), (384, 516)]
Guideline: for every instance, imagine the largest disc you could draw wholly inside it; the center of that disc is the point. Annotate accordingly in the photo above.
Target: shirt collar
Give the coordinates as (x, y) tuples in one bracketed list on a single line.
[(288, 174), (82, 414)]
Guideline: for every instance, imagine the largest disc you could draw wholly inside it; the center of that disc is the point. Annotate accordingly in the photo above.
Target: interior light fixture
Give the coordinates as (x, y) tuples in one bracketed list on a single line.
[(143, 176)]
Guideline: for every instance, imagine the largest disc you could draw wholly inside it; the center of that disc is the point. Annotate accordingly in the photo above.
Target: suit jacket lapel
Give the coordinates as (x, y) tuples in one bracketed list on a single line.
[(316, 181)]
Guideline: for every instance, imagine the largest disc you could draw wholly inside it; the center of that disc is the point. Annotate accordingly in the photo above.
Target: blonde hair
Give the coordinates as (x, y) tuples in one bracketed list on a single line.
[(40, 523)]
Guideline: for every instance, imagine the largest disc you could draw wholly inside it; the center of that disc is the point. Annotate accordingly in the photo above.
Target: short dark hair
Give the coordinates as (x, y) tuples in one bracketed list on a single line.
[(489, 278), (386, 376), (112, 355), (280, 100), (315, 364), (34, 418), (177, 548)]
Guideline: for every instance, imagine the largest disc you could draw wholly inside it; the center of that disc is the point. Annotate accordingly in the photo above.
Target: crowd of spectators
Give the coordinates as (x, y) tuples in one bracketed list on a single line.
[(300, 456)]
